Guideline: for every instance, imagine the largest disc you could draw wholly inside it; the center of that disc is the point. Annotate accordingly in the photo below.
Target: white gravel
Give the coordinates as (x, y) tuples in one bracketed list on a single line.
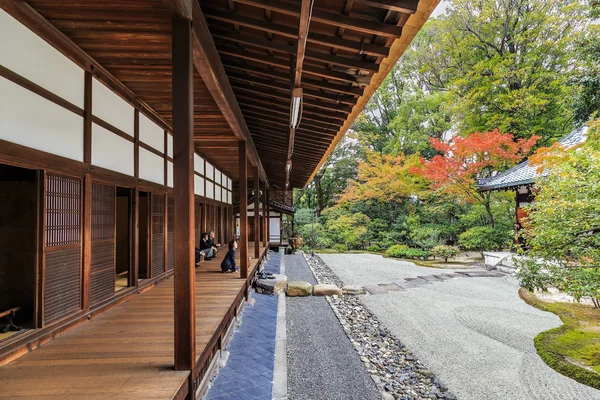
[(475, 334)]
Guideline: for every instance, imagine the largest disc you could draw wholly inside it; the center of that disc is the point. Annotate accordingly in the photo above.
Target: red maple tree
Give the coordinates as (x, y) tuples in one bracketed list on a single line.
[(466, 159)]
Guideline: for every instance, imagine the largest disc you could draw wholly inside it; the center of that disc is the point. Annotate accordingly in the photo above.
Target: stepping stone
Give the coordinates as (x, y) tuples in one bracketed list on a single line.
[(481, 274), (413, 283), (444, 277), (354, 290), (391, 287), (327, 290), (271, 286), (375, 289), (431, 278), (299, 288)]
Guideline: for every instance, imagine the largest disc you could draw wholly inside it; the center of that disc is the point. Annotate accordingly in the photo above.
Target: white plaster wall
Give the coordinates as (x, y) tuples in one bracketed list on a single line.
[(274, 229), (199, 164), (217, 176), (229, 183), (224, 195), (198, 185), (169, 174), (217, 193), (111, 151), (170, 145), (111, 108), (32, 121), (210, 171), (210, 190), (152, 167), (25, 53), (152, 134)]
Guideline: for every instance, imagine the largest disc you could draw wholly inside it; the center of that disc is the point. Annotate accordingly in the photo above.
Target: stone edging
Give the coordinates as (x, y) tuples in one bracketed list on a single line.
[(280, 367), (397, 373)]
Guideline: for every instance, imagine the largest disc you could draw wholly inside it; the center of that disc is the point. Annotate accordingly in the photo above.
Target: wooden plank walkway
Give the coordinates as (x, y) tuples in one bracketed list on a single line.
[(127, 352)]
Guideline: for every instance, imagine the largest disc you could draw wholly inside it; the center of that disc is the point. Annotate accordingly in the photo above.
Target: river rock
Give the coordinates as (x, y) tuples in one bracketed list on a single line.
[(299, 288), (327, 290), (355, 290)]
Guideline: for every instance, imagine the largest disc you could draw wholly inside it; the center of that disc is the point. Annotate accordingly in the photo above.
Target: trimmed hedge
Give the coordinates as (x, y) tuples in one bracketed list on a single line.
[(403, 251)]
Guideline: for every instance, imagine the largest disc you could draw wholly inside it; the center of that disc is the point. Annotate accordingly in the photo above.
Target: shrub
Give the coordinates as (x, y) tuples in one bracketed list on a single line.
[(374, 248), (445, 252), (425, 237), (403, 251), (341, 248), (482, 238)]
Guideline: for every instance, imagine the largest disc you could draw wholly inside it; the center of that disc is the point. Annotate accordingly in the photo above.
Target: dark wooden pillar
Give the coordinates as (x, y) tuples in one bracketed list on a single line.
[(87, 240), (268, 216), (243, 245), (256, 212), (183, 199)]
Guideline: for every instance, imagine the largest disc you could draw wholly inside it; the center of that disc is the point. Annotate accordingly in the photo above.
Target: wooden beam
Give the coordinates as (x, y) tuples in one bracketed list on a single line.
[(183, 195), (87, 118), (268, 215), (256, 212), (289, 32), (305, 13), (208, 64), (404, 6), (179, 8), (243, 210), (329, 17), (265, 239)]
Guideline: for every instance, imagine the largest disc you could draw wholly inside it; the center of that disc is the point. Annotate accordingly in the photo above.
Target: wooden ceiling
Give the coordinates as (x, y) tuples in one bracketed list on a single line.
[(258, 45)]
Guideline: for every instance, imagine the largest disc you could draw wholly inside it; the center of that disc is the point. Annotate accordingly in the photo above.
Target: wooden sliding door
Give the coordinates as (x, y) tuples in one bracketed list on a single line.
[(158, 231)]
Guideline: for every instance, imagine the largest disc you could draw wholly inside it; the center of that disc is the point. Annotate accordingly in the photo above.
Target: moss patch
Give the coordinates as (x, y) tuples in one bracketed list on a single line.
[(574, 348)]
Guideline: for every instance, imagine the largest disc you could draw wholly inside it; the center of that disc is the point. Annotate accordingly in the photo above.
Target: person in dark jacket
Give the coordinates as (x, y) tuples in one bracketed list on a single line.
[(228, 263), (206, 248), (211, 241)]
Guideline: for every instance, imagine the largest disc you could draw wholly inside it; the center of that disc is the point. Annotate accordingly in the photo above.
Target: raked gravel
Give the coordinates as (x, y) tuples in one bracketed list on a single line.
[(475, 334)]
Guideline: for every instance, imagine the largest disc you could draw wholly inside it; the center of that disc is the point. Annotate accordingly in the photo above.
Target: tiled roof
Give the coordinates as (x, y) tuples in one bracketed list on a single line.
[(524, 174)]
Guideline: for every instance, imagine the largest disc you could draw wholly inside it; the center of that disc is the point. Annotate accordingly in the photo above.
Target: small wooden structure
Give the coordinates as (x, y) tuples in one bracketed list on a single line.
[(129, 127)]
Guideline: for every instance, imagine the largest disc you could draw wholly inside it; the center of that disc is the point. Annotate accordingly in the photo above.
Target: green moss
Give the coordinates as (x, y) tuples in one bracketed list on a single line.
[(574, 348)]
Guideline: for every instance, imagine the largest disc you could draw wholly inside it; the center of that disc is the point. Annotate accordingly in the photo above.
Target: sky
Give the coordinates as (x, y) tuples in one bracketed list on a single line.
[(440, 8)]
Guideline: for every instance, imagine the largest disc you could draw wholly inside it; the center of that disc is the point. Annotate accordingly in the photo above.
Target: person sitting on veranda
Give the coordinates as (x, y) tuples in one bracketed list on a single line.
[(228, 263), (206, 248), (211, 241)]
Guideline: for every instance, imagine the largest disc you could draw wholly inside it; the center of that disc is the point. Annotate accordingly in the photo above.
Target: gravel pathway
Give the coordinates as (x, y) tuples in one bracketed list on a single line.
[(322, 364), (476, 334)]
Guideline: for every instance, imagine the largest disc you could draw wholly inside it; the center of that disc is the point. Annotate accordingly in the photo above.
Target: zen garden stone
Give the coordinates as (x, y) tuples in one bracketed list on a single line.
[(299, 288), (272, 286), (327, 290)]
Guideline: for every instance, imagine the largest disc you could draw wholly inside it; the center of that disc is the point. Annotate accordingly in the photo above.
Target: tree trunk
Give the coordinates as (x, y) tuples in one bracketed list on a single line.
[(319, 193), (488, 210)]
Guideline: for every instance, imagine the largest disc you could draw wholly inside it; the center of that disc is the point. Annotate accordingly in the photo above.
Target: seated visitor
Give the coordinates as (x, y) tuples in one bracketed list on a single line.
[(228, 263), (211, 241), (206, 248)]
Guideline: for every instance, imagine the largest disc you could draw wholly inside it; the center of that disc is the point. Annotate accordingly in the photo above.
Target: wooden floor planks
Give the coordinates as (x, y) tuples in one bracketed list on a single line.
[(127, 352)]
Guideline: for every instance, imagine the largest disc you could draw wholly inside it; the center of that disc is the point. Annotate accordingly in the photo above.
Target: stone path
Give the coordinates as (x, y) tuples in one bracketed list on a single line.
[(410, 283), (248, 373), (322, 363), (475, 334)]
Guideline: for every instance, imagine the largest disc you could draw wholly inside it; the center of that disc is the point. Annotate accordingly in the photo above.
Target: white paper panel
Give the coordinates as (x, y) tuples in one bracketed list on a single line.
[(224, 195), (210, 171), (228, 183), (198, 164), (217, 193), (111, 108), (111, 151), (25, 53), (170, 145), (198, 185), (210, 190), (217, 176), (152, 134), (152, 167), (32, 121), (169, 174)]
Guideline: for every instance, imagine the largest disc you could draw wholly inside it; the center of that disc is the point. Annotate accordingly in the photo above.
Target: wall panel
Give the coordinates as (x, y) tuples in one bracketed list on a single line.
[(198, 185), (158, 242), (111, 151), (25, 53), (152, 167), (152, 134), (111, 108), (169, 174), (30, 120), (102, 267), (198, 164)]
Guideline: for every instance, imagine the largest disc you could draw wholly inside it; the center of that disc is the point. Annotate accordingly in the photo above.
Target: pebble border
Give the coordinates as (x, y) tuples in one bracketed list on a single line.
[(397, 373)]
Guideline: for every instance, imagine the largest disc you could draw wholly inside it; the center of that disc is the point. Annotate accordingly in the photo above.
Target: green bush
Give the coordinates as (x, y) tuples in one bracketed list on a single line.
[(403, 251), (341, 248), (374, 248), (445, 252), (425, 237), (482, 238)]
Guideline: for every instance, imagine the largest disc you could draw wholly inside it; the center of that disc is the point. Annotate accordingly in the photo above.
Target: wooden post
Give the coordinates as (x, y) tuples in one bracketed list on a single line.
[(135, 212), (87, 240), (243, 245), (87, 118), (256, 212), (183, 199), (268, 215), (264, 215)]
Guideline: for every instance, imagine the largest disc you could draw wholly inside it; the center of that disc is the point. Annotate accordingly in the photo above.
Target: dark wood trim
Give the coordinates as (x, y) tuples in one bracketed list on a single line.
[(166, 233), (256, 212), (243, 245), (87, 118), (135, 213), (151, 149), (265, 200), (183, 176), (179, 8), (405, 6), (40, 91), (100, 122), (166, 159), (39, 246), (136, 143)]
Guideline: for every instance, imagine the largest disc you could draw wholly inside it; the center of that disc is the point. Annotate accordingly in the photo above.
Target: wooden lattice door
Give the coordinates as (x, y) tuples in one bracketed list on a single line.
[(158, 235), (102, 267), (62, 247)]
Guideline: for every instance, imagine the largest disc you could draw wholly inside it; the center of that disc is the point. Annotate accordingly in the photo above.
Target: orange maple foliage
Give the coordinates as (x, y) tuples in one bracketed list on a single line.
[(465, 159)]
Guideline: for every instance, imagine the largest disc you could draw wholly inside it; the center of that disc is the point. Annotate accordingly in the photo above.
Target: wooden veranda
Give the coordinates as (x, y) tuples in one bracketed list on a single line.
[(127, 129)]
